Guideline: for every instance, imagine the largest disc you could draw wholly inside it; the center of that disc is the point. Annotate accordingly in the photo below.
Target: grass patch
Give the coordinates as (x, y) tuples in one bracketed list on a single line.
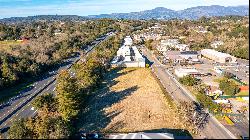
[(243, 93), (168, 97), (5, 46), (218, 79)]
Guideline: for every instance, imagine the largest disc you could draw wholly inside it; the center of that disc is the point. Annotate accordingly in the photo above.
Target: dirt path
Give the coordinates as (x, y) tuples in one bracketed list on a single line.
[(130, 101)]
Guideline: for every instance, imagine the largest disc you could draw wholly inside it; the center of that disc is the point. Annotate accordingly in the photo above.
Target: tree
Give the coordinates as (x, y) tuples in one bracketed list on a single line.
[(7, 72), (68, 96), (46, 103), (19, 130), (148, 44), (193, 116), (207, 102), (228, 87), (188, 80)]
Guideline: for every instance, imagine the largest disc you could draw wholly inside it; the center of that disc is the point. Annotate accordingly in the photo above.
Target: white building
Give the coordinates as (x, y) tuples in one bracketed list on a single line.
[(128, 41), (166, 45), (181, 72), (218, 56), (147, 36), (182, 47), (215, 44), (169, 42), (128, 55)]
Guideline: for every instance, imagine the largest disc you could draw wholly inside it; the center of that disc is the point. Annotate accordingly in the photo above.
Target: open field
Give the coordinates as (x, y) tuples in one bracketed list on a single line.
[(130, 101), (7, 46)]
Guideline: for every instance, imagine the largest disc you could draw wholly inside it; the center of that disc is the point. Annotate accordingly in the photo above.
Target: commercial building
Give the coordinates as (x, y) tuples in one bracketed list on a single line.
[(181, 72), (181, 56), (218, 56), (128, 55), (215, 44), (171, 44), (182, 47)]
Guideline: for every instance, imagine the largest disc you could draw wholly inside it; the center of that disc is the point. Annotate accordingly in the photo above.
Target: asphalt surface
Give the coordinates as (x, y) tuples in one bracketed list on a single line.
[(21, 107), (214, 129)]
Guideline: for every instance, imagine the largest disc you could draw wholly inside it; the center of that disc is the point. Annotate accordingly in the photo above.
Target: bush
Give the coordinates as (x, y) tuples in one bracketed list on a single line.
[(228, 87), (207, 102), (188, 80)]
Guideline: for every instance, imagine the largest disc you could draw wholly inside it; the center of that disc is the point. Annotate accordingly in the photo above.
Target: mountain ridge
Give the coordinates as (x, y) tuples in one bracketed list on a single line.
[(192, 13)]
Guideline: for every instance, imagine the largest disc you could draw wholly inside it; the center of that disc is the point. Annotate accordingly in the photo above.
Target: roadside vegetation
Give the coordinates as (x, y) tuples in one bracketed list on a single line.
[(44, 46), (58, 115)]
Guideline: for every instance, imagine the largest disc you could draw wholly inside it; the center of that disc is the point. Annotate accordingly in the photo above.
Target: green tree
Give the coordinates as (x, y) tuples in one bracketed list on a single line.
[(228, 87), (188, 80), (7, 72), (45, 102), (68, 95), (19, 130)]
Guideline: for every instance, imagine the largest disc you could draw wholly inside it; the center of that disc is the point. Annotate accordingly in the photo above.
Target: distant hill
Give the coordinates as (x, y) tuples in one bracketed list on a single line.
[(43, 17), (157, 13), (189, 13)]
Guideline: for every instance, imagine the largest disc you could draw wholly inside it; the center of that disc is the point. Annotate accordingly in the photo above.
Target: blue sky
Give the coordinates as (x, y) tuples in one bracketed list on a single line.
[(17, 8)]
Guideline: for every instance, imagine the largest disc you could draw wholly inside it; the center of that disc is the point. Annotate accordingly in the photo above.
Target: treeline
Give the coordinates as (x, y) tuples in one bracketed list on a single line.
[(45, 49), (58, 115)]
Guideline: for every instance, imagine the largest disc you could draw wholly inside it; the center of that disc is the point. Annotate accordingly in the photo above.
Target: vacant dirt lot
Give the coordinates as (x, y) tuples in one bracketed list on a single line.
[(130, 101)]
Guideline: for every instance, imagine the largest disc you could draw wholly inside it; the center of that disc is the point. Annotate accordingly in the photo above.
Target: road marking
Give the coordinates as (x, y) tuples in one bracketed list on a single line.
[(34, 112), (133, 136)]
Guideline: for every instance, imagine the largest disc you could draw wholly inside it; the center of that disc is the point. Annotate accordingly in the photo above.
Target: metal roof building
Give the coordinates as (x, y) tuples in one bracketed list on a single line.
[(218, 56)]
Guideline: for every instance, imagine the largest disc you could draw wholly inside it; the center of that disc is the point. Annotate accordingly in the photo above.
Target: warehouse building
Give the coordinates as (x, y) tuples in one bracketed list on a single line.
[(128, 55), (181, 72), (218, 56), (181, 56)]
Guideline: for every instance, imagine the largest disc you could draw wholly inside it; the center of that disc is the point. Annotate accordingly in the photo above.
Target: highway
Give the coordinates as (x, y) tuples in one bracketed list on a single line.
[(214, 129), (20, 106)]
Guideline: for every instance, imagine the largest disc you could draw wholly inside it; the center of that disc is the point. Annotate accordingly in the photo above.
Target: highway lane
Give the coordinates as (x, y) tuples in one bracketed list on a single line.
[(213, 129), (21, 108)]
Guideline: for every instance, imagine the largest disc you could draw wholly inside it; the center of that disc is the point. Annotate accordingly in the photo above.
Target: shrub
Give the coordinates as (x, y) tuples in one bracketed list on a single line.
[(188, 80)]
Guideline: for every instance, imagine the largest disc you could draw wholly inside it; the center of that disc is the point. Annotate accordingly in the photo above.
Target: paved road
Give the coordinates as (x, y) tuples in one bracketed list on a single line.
[(21, 106), (214, 129)]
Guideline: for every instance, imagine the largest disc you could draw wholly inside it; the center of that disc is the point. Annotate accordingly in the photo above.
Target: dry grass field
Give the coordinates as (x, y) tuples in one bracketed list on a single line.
[(6, 46), (130, 101)]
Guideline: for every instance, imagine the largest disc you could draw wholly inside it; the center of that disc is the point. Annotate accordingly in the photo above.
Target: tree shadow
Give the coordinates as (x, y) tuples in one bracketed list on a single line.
[(94, 118), (147, 61)]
